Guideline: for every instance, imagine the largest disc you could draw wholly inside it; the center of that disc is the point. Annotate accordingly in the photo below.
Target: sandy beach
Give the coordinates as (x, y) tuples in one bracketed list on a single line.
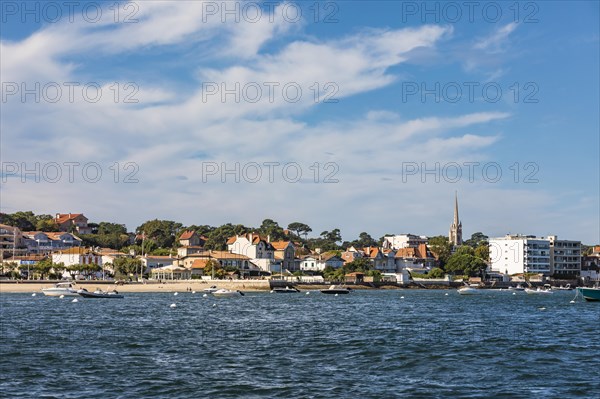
[(175, 286)]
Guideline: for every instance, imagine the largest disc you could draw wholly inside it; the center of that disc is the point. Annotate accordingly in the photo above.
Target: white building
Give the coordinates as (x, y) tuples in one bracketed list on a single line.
[(76, 256), (403, 241), (258, 249), (514, 254), (318, 263), (565, 257)]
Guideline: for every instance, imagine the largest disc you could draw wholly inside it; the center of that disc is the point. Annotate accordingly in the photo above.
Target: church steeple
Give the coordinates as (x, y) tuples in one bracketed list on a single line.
[(455, 234)]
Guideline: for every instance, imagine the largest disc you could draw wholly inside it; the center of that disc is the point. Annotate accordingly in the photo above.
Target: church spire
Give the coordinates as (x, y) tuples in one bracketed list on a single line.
[(455, 234), (456, 222)]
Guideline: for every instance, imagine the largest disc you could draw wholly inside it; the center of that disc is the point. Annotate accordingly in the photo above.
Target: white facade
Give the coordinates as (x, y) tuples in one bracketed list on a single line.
[(260, 251), (404, 241), (515, 254), (565, 257), (314, 263)]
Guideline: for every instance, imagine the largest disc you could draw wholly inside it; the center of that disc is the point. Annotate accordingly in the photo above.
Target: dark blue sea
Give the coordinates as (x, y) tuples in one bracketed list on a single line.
[(369, 344)]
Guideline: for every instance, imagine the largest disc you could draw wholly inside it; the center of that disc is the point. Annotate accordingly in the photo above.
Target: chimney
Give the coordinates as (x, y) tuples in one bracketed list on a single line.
[(250, 237), (268, 237)]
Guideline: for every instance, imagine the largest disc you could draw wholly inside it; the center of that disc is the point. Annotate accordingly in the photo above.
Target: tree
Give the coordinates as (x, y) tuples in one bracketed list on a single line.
[(477, 239), (466, 264), (483, 252), (163, 232), (107, 228), (213, 268), (332, 236), (217, 238), (271, 228), (436, 272), (442, 248), (357, 265), (364, 240), (127, 266), (46, 225), (299, 228)]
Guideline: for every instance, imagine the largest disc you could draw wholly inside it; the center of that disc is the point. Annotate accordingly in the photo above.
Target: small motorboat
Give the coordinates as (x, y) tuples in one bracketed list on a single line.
[(64, 289), (589, 294), (211, 289), (468, 291), (286, 290), (99, 294), (519, 287), (225, 293), (538, 291), (565, 288), (336, 290)]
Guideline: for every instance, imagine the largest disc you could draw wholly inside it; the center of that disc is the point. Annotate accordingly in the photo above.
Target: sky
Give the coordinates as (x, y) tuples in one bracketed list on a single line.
[(358, 115)]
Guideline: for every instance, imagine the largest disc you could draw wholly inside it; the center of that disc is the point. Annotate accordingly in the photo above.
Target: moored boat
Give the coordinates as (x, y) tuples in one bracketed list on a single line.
[(565, 288), (519, 287), (589, 294), (286, 290), (225, 293), (468, 291), (64, 289), (99, 294), (336, 290), (211, 289)]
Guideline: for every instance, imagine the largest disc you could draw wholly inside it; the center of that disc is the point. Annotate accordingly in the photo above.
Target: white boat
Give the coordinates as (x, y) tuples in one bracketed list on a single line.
[(65, 289), (225, 293), (336, 290), (565, 288), (99, 294), (519, 287), (211, 289), (468, 291), (538, 291)]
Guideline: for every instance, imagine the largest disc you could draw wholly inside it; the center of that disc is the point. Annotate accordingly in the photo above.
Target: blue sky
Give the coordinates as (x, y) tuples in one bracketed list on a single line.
[(543, 56)]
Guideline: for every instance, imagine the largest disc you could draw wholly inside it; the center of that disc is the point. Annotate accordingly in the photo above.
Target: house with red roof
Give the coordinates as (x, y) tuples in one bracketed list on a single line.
[(73, 222)]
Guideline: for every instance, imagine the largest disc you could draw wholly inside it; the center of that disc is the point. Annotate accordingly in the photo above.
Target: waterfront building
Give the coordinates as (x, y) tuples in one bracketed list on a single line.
[(284, 252), (77, 255), (10, 239), (258, 249), (514, 254), (318, 262), (157, 261), (39, 242), (455, 234), (565, 258), (190, 238), (403, 241), (71, 222), (414, 258)]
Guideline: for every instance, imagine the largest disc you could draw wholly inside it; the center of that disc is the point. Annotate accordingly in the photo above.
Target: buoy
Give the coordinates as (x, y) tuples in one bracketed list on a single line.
[(307, 292), (33, 294), (336, 294), (446, 294), (542, 308), (62, 296), (175, 293), (204, 296), (214, 304), (173, 306), (514, 293), (193, 292), (75, 300), (401, 297), (272, 291), (572, 302)]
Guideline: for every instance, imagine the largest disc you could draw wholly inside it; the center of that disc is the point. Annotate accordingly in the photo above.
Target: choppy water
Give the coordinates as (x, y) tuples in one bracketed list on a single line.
[(369, 344)]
